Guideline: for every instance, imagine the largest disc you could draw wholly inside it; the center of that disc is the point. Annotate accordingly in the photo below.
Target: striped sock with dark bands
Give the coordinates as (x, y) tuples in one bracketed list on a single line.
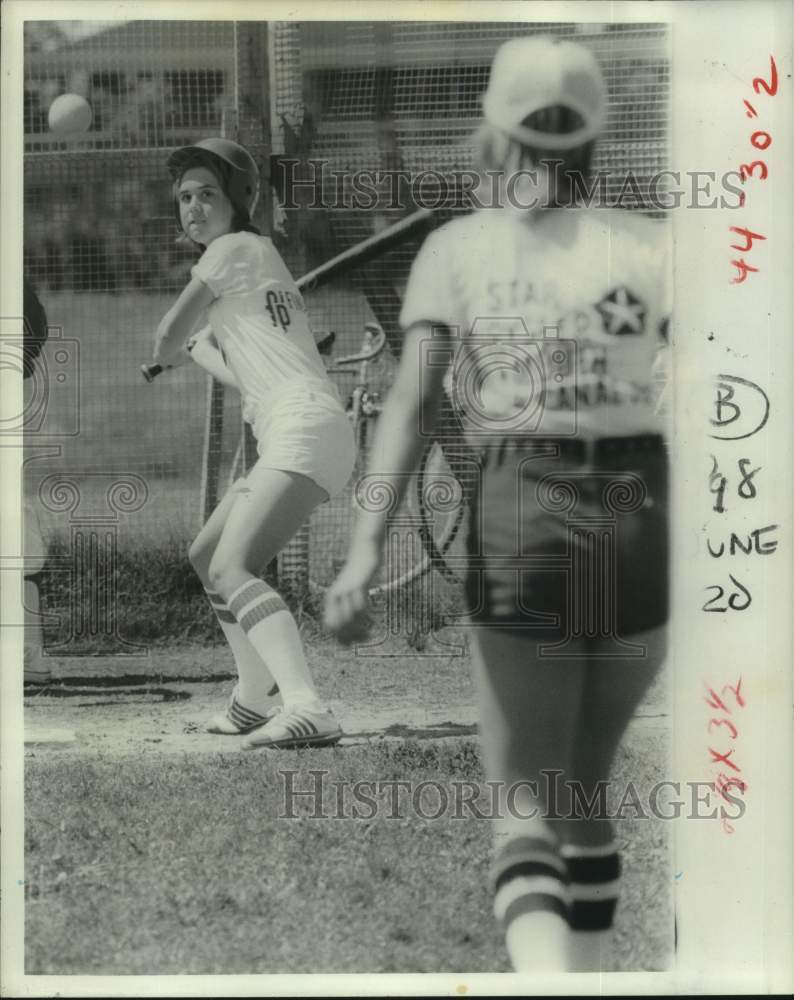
[(594, 874), (534, 902), (527, 849), (530, 869), (253, 602), (529, 876), (246, 593), (229, 623), (264, 609), (222, 613)]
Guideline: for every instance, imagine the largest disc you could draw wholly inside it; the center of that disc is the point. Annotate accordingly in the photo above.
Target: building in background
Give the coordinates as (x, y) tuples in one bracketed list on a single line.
[(99, 239)]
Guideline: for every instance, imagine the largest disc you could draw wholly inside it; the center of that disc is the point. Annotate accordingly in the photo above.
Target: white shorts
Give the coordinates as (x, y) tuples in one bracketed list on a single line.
[(306, 430)]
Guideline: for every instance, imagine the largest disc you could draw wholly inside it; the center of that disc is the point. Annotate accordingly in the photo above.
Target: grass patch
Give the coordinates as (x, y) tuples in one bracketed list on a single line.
[(169, 864), (121, 882), (160, 600)]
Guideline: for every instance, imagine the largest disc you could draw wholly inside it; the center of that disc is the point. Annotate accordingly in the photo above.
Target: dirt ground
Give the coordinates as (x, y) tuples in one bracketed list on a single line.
[(147, 715), (162, 702)]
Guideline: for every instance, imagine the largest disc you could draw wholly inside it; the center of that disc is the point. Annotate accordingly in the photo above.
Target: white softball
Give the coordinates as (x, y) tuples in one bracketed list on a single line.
[(69, 114)]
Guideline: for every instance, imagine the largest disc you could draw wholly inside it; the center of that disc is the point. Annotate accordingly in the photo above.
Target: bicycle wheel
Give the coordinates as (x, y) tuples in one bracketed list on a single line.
[(426, 530), (425, 525), (441, 499), (448, 478)]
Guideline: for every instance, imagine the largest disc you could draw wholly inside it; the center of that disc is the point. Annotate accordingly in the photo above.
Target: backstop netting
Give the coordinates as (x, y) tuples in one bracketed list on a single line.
[(402, 101), (317, 103)]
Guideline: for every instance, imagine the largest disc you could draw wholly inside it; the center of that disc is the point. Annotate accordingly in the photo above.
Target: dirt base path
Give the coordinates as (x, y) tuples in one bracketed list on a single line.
[(172, 718), (162, 702)]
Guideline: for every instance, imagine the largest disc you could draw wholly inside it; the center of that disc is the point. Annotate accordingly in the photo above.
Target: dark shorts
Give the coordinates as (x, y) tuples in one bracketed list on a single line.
[(568, 540)]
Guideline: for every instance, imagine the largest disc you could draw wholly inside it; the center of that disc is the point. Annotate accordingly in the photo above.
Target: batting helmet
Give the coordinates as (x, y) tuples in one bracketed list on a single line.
[(237, 168)]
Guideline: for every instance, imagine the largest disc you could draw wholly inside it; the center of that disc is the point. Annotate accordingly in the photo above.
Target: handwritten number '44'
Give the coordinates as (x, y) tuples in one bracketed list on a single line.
[(739, 600)]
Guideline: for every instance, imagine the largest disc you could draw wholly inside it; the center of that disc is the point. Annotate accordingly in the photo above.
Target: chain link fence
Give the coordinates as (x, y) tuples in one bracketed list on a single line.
[(317, 103)]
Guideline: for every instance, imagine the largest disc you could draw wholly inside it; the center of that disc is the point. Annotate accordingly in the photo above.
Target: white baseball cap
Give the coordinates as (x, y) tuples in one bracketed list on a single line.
[(536, 72)]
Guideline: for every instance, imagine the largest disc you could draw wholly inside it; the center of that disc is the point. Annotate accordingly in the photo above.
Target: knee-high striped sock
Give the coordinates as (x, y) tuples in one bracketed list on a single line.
[(594, 874), (256, 687), (532, 903), (273, 633)]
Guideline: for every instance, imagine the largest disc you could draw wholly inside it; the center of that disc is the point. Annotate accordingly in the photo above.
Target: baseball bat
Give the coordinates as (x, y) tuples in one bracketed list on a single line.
[(355, 256)]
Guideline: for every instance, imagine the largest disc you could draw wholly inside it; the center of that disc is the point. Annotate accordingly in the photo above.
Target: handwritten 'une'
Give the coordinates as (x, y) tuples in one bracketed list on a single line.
[(752, 543)]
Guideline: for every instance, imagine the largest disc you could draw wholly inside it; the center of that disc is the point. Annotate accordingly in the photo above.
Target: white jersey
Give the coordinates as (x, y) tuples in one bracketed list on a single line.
[(259, 319), (558, 317)]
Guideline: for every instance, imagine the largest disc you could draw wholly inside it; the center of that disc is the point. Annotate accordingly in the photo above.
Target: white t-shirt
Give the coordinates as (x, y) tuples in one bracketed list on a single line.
[(259, 319), (557, 318)]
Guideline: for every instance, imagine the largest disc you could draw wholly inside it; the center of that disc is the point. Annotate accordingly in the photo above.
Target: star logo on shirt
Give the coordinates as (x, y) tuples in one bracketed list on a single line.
[(622, 312)]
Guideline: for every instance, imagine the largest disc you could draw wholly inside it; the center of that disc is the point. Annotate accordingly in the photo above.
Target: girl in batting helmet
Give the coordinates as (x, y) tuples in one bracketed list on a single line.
[(257, 340), (236, 171)]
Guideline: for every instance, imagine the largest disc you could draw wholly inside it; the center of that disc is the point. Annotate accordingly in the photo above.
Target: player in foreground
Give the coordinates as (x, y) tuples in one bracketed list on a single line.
[(567, 578), (259, 342)]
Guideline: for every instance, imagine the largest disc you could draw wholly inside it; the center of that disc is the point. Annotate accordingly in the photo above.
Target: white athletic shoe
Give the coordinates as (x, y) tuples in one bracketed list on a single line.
[(238, 720), (297, 727)]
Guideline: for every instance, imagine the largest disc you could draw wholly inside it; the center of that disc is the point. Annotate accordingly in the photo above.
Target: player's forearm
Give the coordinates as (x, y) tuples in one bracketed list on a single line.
[(211, 360), (170, 339), (181, 357), (181, 320)]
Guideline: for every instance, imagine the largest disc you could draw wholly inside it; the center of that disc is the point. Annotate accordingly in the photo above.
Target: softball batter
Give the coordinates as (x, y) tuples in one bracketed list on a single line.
[(549, 314), (258, 341)]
